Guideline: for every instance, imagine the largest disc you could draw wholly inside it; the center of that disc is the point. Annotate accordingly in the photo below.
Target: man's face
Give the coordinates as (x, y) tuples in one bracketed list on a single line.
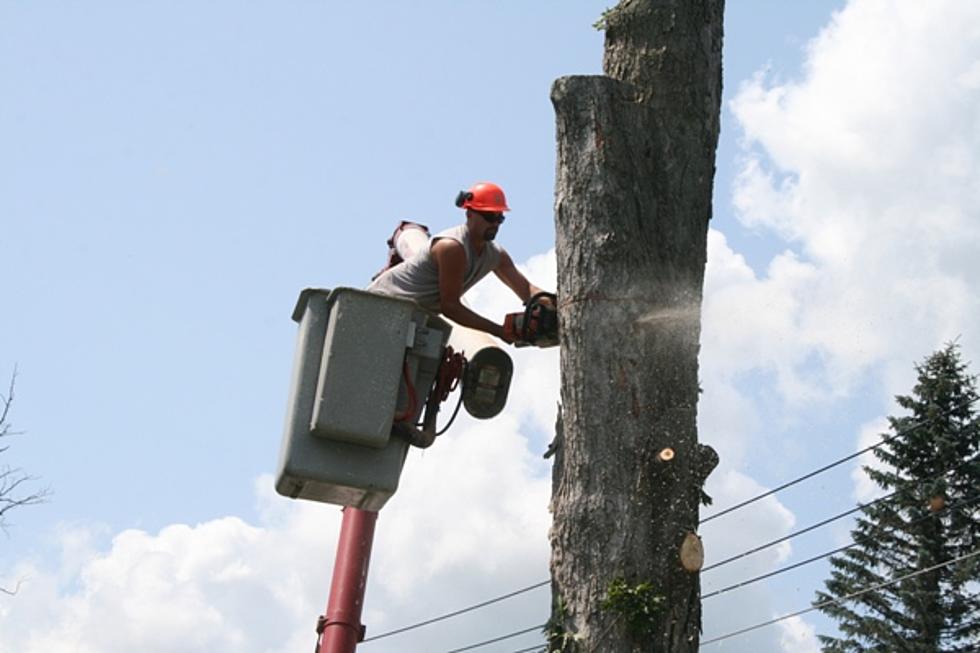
[(491, 222)]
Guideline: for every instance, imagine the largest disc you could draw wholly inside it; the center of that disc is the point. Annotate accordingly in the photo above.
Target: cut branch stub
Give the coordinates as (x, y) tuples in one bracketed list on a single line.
[(692, 553)]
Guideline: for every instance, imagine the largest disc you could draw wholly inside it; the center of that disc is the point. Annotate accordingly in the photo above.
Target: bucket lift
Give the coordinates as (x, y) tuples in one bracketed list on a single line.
[(368, 376), (362, 374)]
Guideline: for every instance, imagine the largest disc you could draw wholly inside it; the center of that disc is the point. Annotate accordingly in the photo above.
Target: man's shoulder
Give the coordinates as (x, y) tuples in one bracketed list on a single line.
[(453, 233), (445, 242), (445, 246)]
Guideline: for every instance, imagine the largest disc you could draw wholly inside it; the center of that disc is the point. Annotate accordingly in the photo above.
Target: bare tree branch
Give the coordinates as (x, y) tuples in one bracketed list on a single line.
[(14, 591), (14, 492), (6, 402), (10, 480)]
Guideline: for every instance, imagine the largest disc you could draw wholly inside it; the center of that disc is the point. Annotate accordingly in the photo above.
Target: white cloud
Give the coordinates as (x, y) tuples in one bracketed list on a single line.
[(534, 389), (469, 521), (755, 323), (797, 636), (729, 536), (185, 588), (870, 433), (869, 167), (471, 501)]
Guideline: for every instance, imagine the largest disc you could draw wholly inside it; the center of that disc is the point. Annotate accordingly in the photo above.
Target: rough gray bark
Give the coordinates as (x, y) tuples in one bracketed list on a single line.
[(633, 198)]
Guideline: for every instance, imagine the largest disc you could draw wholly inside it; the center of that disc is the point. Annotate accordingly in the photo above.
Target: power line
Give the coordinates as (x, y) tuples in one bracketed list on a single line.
[(842, 599), (810, 609), (806, 530), (456, 613), (782, 570), (503, 597), (743, 504), (537, 648), (816, 606), (498, 639), (739, 556), (726, 561), (824, 522), (823, 469), (761, 547), (841, 461), (776, 572)]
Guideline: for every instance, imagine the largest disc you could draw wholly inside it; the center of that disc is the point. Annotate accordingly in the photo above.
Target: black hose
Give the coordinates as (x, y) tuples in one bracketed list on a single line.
[(459, 403)]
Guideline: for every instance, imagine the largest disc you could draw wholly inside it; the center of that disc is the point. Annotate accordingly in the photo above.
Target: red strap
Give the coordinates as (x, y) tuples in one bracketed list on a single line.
[(413, 401), (450, 373)]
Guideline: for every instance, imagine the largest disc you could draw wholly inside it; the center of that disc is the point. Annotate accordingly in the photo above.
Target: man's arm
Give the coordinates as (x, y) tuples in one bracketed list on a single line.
[(450, 258), (508, 273)]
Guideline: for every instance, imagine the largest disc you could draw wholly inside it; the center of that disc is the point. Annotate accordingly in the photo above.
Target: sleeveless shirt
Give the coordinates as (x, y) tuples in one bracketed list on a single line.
[(418, 277)]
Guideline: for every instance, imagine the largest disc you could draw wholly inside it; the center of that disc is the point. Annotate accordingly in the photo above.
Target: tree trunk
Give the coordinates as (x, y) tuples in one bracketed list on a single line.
[(633, 199)]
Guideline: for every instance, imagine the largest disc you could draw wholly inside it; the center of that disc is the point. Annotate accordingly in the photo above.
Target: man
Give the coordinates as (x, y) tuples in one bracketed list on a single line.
[(438, 273)]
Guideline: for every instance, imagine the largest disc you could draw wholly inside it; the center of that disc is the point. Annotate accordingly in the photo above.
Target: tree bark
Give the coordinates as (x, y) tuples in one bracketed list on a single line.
[(633, 198)]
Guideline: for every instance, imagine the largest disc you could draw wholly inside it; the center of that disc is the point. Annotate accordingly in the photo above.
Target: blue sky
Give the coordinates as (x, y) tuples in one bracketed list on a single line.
[(172, 174)]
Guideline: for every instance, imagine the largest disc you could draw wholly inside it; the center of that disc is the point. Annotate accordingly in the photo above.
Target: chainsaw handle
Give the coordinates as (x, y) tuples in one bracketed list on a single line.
[(509, 334), (532, 302), (550, 295), (529, 307)]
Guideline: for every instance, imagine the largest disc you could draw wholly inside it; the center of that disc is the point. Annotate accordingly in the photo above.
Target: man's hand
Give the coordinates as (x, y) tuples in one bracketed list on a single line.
[(507, 332)]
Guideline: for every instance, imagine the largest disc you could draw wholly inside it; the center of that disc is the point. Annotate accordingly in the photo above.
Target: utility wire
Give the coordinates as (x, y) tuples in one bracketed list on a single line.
[(743, 504), (813, 607), (801, 532), (782, 570), (841, 515), (842, 599), (963, 503), (960, 504), (456, 613), (823, 469), (498, 639), (843, 460), (816, 606), (761, 547), (503, 597)]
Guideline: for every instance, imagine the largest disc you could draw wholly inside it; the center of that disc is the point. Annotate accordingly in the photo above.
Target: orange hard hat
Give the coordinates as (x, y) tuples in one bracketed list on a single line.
[(483, 196)]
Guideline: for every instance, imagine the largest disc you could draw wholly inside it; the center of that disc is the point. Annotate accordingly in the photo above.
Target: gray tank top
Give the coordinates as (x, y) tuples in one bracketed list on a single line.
[(418, 277)]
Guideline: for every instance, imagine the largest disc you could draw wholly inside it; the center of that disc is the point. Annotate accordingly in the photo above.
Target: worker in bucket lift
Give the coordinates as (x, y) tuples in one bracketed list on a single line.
[(436, 272)]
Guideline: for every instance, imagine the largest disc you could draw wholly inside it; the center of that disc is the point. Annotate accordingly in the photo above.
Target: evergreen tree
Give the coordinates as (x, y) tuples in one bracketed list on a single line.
[(932, 465)]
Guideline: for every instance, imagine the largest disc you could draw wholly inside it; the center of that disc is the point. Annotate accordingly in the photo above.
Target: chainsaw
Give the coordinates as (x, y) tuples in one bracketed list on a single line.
[(537, 325)]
